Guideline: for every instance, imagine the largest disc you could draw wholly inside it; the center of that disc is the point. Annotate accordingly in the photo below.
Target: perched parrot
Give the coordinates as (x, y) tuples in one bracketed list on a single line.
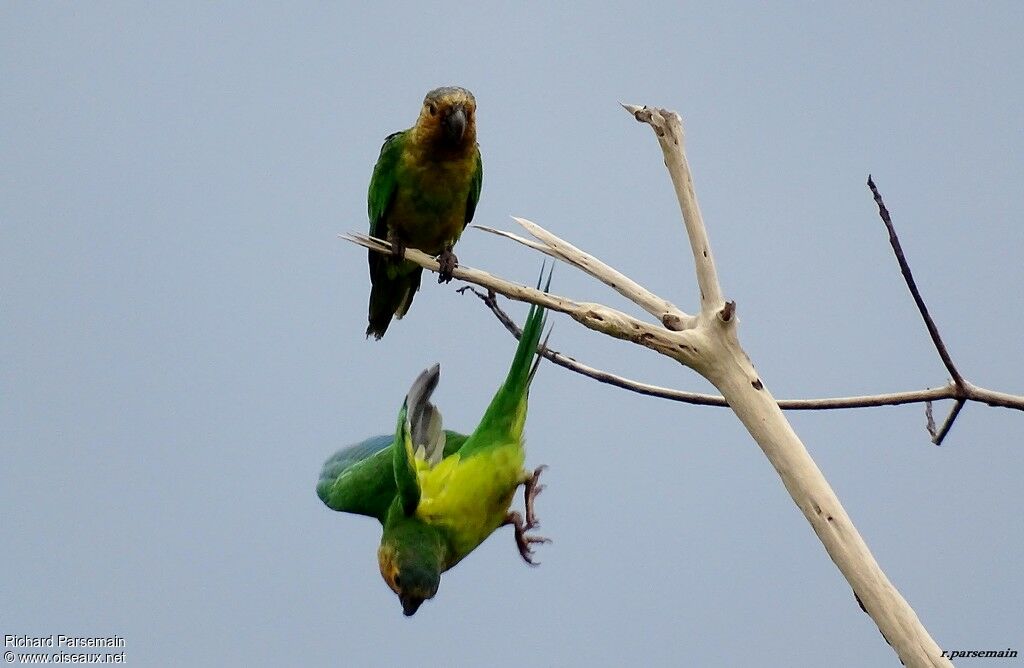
[(423, 193), (439, 494)]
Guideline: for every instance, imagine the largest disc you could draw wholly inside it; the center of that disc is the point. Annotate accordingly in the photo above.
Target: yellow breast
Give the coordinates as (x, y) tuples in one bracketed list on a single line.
[(470, 496), (429, 208)]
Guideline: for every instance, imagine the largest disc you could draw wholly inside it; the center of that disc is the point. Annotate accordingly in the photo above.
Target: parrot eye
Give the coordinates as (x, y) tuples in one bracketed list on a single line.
[(432, 108), (398, 581)]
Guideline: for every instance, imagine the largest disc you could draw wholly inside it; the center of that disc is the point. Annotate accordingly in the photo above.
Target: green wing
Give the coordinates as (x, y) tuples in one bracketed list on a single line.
[(364, 478), (382, 184), (392, 285), (360, 478), (474, 188)]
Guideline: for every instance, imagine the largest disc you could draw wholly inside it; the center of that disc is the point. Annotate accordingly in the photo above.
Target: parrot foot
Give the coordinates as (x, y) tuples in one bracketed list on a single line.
[(397, 247), (448, 262), (524, 541), (530, 491)]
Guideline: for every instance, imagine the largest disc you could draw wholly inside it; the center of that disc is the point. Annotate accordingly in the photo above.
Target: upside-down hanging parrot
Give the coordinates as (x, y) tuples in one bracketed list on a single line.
[(423, 193), (439, 494)]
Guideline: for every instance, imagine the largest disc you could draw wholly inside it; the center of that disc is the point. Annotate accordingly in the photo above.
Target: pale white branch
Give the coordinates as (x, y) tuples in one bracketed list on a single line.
[(529, 243), (725, 364), (665, 311), (668, 127), (669, 315), (597, 317), (993, 398)]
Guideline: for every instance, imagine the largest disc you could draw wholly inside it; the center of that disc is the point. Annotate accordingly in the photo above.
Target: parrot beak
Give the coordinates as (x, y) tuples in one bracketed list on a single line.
[(455, 124), (410, 604)]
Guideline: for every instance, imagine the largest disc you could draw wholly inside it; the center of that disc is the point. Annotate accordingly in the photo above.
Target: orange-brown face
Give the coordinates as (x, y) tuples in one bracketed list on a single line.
[(388, 567), (448, 117), (412, 580)]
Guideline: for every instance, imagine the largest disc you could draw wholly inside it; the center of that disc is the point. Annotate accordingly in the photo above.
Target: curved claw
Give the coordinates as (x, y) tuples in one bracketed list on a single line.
[(524, 541), (531, 489)]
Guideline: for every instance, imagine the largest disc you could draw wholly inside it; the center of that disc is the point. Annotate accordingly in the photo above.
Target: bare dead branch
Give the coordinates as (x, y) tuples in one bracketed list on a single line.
[(908, 276), (992, 398), (949, 421), (669, 314), (597, 317), (926, 396), (566, 362), (959, 384), (969, 392), (710, 346), (725, 364), (668, 127)]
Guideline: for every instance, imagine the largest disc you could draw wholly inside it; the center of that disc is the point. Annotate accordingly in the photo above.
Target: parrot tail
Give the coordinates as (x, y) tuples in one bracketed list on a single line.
[(507, 411), (391, 298)]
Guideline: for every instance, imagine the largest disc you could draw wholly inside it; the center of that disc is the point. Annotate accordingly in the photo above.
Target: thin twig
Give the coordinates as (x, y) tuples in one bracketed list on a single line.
[(959, 384), (564, 361), (937, 440), (897, 249)]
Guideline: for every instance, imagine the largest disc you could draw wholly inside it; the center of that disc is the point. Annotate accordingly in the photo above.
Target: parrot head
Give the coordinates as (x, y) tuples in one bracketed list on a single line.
[(410, 560), (448, 118)]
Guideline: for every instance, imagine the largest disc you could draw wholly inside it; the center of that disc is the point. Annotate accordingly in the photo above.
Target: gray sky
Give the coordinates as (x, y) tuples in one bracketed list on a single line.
[(183, 332)]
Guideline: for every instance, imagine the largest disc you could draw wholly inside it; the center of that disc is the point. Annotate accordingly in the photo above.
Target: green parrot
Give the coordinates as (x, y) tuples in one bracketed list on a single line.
[(439, 494), (423, 193)]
